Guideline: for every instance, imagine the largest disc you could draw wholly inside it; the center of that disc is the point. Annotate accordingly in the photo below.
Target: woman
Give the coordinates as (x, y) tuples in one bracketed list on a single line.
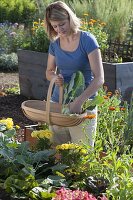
[(72, 50)]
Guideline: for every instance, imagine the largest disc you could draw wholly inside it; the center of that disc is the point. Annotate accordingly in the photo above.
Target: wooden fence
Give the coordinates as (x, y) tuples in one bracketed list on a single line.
[(118, 52)]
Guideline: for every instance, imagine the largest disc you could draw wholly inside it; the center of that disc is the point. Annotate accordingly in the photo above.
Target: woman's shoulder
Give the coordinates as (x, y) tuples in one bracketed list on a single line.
[(88, 41), (87, 35)]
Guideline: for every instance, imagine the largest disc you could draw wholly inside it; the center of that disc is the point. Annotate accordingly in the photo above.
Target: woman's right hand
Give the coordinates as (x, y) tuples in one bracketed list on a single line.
[(59, 80)]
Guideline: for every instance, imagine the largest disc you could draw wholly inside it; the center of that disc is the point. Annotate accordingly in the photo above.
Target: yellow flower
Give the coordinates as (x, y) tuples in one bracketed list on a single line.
[(67, 146), (35, 23), (85, 14), (17, 127), (34, 134), (8, 122), (42, 134), (83, 151)]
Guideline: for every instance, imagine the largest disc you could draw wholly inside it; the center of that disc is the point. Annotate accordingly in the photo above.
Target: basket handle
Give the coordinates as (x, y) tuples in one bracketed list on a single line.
[(49, 98)]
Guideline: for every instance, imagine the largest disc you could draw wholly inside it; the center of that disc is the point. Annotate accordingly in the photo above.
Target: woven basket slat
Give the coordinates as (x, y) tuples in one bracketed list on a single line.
[(49, 112)]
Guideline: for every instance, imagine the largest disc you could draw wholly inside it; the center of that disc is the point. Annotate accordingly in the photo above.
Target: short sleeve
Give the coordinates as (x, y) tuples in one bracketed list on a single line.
[(89, 42), (51, 49)]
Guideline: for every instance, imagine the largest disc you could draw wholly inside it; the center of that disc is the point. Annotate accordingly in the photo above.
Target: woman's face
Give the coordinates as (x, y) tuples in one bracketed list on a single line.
[(62, 28)]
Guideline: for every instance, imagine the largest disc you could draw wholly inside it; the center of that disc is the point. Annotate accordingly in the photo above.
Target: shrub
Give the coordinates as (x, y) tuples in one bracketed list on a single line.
[(17, 11), (8, 62)]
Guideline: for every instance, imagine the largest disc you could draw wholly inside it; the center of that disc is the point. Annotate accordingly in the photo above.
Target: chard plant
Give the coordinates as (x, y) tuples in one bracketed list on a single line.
[(74, 89)]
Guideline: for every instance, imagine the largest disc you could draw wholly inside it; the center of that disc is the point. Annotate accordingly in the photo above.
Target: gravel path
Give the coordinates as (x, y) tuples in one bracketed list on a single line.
[(8, 79)]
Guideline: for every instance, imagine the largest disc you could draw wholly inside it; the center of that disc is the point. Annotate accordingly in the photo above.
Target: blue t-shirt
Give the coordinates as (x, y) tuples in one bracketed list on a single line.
[(70, 62)]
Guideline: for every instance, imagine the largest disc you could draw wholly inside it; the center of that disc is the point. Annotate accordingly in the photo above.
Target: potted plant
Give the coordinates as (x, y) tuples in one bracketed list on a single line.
[(32, 59)]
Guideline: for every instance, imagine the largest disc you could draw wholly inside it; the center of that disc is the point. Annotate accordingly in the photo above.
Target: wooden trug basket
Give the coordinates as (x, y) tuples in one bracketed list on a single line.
[(50, 112)]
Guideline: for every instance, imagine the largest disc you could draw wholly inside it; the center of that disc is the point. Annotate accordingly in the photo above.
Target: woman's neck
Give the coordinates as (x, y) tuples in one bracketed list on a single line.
[(71, 37)]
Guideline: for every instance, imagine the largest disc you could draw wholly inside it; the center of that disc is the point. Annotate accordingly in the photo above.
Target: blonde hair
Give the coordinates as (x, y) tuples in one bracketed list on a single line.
[(59, 11)]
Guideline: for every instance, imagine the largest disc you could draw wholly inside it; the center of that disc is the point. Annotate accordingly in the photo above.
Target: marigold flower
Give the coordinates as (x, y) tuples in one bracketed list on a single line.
[(90, 23), (122, 109), (93, 20), (42, 134), (8, 122), (109, 93), (90, 116), (105, 97), (103, 23), (112, 108)]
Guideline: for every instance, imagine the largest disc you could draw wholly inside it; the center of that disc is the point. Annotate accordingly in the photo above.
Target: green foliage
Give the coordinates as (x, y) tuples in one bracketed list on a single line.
[(13, 90), (128, 132), (105, 168), (17, 11), (115, 13), (97, 28), (13, 36), (8, 62), (74, 88), (112, 121), (39, 39)]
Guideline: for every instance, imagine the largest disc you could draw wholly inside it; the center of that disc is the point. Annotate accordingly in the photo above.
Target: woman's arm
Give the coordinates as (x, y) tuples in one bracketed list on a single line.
[(51, 71), (98, 72)]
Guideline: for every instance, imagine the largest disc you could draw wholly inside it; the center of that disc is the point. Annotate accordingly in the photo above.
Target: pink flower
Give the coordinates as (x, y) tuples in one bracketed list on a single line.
[(64, 194)]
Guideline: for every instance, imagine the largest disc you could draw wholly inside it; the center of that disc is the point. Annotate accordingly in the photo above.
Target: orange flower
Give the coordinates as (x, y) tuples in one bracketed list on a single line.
[(109, 93), (93, 20), (111, 108), (90, 116), (90, 23), (122, 109), (105, 97), (103, 23)]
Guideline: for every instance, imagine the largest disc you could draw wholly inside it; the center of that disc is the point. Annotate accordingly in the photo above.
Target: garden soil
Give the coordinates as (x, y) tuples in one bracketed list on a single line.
[(10, 105)]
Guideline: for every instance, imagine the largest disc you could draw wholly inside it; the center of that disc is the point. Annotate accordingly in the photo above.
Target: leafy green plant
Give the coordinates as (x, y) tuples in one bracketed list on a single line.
[(112, 120), (13, 90), (39, 39), (73, 89), (128, 132)]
